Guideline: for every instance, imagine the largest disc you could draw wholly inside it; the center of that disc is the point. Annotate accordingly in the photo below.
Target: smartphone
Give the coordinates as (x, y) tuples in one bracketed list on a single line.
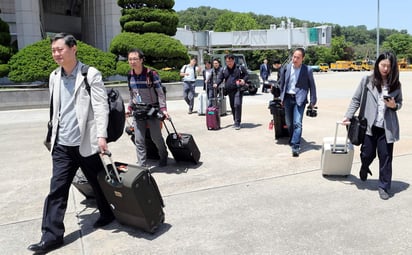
[(387, 98)]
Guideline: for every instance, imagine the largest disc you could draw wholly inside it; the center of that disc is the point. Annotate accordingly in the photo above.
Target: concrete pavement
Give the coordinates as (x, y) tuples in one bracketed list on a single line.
[(248, 195)]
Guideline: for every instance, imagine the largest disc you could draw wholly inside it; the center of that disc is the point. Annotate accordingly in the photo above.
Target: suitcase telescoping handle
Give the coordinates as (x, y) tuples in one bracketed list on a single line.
[(338, 123), (178, 136), (215, 98), (173, 126), (108, 175)]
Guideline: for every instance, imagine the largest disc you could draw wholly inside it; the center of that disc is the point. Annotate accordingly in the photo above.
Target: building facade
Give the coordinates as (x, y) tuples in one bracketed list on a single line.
[(94, 22)]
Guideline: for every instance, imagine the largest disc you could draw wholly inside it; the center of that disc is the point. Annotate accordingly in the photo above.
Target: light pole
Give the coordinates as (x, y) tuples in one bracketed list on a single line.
[(377, 35)]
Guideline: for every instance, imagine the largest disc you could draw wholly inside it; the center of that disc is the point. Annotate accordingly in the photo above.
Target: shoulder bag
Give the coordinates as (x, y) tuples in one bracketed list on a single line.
[(47, 141), (358, 124)]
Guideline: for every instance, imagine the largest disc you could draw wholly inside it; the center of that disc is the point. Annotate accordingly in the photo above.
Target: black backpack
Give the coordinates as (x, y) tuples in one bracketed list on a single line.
[(117, 117)]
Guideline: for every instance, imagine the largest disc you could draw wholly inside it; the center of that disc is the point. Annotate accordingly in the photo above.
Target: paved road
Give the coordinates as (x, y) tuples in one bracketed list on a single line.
[(247, 195)]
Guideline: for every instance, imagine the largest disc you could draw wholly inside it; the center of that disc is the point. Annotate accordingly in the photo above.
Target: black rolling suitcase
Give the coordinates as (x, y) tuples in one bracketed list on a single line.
[(182, 146), (279, 122), (81, 183), (133, 195)]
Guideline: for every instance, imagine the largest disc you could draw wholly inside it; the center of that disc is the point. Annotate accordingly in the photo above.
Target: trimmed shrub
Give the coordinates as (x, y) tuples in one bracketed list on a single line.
[(35, 62), (160, 50), (160, 4), (4, 70), (123, 68), (145, 20), (169, 76), (5, 54)]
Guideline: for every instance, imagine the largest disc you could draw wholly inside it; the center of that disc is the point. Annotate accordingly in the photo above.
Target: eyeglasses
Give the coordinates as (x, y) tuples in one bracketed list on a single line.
[(133, 59)]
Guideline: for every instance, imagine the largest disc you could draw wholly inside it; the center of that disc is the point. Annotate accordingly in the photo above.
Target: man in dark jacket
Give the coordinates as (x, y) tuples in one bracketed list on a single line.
[(212, 87), (295, 82), (235, 78), (264, 73)]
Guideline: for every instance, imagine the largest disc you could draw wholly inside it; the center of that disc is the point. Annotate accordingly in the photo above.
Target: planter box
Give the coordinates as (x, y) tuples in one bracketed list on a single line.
[(39, 97)]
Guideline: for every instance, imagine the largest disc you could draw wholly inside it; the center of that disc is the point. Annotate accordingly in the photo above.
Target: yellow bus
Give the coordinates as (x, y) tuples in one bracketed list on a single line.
[(356, 66), (341, 65), (368, 65)]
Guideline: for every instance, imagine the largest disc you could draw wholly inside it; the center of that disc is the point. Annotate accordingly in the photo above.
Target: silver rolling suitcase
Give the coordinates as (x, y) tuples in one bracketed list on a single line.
[(337, 155), (222, 106), (202, 98)]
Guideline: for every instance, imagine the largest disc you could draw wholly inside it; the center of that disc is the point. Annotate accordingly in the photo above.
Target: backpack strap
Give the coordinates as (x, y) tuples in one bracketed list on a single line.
[(129, 77), (149, 81), (84, 69), (194, 70)]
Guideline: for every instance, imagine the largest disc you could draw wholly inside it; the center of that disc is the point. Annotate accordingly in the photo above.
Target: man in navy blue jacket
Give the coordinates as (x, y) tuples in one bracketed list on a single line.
[(264, 73), (295, 83)]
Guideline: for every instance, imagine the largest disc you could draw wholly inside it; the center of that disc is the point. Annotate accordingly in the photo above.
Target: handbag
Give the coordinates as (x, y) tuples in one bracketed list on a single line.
[(47, 141), (358, 124)]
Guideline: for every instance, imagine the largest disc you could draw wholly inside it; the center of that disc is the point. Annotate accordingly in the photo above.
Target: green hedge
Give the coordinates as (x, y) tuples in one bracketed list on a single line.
[(160, 50), (5, 54), (160, 4), (123, 68), (35, 62), (4, 70), (145, 20)]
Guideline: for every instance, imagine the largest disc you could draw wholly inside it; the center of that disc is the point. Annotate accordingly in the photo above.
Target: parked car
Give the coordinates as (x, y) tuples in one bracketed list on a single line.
[(315, 68), (324, 67)]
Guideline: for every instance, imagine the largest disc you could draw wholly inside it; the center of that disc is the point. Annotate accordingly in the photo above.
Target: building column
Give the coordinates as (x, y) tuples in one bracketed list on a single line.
[(100, 22), (27, 22)]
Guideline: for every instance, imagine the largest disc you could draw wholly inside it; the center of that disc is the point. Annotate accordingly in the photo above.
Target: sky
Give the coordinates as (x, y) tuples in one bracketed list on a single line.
[(393, 14)]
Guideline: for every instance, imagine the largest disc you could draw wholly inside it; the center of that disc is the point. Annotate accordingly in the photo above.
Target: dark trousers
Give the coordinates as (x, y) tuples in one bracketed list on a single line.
[(140, 127), (66, 160), (189, 93), (263, 84), (293, 118), (235, 101), (377, 143)]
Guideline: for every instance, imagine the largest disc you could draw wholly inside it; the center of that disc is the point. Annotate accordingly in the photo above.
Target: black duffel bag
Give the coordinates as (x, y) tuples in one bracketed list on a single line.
[(357, 130)]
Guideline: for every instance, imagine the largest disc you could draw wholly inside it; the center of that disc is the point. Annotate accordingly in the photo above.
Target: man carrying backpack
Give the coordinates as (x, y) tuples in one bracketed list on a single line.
[(147, 104), (79, 131), (189, 73), (235, 78)]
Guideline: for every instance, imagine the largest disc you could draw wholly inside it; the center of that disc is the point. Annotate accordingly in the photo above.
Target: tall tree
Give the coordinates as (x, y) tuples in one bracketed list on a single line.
[(231, 21), (5, 39), (400, 44)]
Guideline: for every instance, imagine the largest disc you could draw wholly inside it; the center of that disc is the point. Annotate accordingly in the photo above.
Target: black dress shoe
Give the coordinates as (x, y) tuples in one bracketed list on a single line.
[(44, 247), (103, 221)]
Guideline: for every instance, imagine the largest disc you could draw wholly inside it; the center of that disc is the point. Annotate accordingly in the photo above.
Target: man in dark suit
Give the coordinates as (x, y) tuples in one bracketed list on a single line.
[(264, 73), (295, 83)]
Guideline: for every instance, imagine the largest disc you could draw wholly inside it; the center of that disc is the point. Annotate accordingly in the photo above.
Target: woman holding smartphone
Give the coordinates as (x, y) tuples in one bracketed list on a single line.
[(383, 100)]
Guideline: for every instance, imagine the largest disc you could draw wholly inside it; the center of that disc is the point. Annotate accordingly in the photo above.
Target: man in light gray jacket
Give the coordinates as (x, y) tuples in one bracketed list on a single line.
[(79, 133)]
